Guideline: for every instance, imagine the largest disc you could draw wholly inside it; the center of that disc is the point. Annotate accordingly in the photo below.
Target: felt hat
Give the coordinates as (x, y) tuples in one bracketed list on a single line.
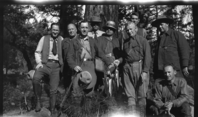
[(95, 19), (110, 24), (87, 76), (161, 19)]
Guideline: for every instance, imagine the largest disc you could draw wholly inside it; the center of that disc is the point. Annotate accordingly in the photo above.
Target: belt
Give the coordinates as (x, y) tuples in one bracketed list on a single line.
[(52, 60), (88, 59), (133, 62)]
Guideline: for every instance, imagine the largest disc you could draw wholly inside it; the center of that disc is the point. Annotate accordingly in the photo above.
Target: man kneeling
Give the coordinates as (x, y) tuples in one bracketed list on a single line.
[(171, 95)]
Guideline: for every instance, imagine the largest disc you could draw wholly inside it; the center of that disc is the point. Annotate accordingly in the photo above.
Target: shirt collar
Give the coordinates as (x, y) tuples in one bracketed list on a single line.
[(169, 31), (95, 32), (173, 82), (51, 39), (85, 39)]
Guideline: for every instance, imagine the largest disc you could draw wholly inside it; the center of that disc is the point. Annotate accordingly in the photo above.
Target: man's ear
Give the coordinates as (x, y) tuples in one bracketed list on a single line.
[(175, 72)]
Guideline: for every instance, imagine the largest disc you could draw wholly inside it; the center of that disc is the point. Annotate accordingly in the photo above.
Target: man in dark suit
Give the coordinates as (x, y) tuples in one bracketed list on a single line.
[(81, 55)]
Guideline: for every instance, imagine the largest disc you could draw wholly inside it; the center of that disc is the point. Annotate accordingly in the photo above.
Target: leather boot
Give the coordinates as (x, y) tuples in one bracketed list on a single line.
[(52, 105), (37, 92)]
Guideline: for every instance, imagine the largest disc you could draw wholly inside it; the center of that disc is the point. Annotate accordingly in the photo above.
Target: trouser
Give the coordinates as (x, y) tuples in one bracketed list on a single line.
[(183, 111), (134, 87), (50, 70)]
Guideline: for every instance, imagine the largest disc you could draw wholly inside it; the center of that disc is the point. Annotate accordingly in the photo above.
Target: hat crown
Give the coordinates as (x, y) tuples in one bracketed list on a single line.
[(111, 23), (95, 19), (85, 77)]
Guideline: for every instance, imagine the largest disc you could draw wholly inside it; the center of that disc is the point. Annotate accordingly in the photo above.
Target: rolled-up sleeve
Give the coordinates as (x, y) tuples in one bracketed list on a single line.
[(182, 97), (158, 95), (38, 51)]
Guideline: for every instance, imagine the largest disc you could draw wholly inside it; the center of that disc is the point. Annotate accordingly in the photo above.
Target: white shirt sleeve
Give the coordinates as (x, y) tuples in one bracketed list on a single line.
[(39, 50)]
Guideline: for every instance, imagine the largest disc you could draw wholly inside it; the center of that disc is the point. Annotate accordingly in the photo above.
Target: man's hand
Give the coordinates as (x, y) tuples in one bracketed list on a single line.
[(168, 105), (110, 66), (77, 69), (40, 65), (116, 62), (185, 71), (144, 76)]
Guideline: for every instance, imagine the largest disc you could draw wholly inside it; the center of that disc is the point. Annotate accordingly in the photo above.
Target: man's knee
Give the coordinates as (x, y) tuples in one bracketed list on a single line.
[(36, 78), (185, 109), (141, 102)]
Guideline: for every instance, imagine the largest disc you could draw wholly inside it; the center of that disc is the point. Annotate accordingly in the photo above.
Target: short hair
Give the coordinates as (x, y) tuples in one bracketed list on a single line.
[(129, 23), (83, 21), (135, 13), (57, 24), (72, 24), (170, 65)]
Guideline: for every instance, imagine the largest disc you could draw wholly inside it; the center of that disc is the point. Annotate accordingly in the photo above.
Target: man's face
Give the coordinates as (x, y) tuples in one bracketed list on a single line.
[(84, 28), (169, 73), (135, 19), (95, 26), (163, 27), (55, 31), (109, 31), (131, 30), (72, 30)]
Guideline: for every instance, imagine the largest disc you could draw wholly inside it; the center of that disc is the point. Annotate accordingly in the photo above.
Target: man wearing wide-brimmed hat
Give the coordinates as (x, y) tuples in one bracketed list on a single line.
[(173, 48), (110, 45), (95, 23)]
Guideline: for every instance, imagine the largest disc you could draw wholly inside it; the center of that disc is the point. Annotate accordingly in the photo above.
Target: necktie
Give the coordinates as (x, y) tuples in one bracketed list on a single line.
[(54, 49), (95, 36)]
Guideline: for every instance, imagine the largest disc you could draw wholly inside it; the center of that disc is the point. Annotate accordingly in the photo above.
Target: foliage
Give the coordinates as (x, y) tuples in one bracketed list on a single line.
[(15, 87)]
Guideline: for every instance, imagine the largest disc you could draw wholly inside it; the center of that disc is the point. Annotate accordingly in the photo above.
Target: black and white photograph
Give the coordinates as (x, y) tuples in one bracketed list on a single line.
[(98, 58)]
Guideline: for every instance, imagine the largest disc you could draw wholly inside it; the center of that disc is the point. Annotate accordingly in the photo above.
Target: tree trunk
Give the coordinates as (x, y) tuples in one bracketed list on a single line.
[(105, 12), (26, 57)]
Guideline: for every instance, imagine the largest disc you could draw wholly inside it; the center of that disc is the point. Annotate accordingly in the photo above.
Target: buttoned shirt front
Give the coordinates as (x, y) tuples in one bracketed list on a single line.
[(86, 51), (40, 47), (173, 49), (136, 49), (163, 93)]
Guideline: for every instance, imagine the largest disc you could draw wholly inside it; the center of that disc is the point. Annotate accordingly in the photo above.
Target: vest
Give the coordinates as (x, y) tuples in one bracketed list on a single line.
[(45, 51)]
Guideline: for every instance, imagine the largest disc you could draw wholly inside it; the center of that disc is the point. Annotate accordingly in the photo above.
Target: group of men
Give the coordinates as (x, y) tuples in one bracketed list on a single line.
[(75, 56)]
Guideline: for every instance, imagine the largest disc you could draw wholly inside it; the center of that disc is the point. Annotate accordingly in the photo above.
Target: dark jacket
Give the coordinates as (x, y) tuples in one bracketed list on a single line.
[(74, 53), (173, 49), (137, 49), (102, 44)]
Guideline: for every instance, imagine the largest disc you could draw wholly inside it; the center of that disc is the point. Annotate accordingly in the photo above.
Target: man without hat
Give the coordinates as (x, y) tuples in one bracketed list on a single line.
[(171, 95), (49, 61), (95, 23), (173, 48), (67, 72), (137, 59), (134, 17), (81, 55)]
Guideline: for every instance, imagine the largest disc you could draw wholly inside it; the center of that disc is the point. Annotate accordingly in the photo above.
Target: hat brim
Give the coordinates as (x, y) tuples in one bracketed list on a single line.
[(90, 69), (157, 22), (97, 21), (105, 27)]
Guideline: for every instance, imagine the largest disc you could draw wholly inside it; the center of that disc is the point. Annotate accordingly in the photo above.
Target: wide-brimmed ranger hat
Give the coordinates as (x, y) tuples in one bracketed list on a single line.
[(110, 24), (95, 19), (161, 19), (87, 76)]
